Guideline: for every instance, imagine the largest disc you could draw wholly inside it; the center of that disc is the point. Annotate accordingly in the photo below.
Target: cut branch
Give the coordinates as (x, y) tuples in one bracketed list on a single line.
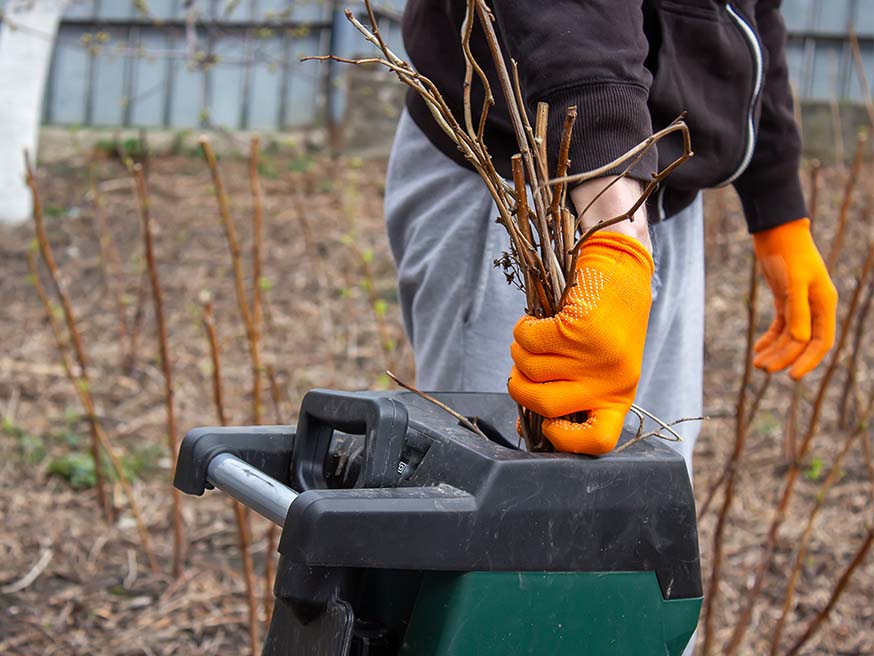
[(110, 263), (83, 392), (543, 234), (860, 73), (240, 514), (464, 421), (740, 436), (166, 367), (852, 177), (803, 543), (838, 590), (257, 290), (45, 249), (795, 467)]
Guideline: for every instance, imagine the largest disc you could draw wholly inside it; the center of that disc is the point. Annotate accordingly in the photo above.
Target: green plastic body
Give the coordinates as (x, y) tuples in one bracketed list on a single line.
[(547, 614)]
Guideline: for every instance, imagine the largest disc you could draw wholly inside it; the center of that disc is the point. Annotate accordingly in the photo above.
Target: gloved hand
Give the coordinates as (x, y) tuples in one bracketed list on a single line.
[(805, 300), (588, 356)]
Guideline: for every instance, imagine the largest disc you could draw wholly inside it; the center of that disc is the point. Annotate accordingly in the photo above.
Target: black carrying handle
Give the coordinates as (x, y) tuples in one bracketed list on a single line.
[(382, 421), (267, 448)]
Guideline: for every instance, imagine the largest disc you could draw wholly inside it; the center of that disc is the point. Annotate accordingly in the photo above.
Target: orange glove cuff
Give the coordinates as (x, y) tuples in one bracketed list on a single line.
[(805, 300), (588, 356)]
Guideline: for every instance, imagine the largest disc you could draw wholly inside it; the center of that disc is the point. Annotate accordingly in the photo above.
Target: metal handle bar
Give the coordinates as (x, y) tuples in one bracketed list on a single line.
[(251, 487)]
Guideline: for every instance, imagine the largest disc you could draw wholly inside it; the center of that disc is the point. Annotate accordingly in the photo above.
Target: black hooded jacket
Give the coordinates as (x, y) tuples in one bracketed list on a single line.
[(631, 67)]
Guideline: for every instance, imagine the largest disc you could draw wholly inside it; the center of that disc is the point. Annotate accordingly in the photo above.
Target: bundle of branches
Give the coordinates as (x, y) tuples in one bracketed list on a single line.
[(545, 236)]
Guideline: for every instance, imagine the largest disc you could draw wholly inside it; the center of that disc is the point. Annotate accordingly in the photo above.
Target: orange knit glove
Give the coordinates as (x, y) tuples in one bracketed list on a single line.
[(588, 356), (805, 300)]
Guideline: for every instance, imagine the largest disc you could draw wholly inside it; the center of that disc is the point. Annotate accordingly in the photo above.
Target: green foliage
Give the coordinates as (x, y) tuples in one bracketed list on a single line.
[(30, 448), (132, 148), (69, 435), (142, 461), (767, 424), (380, 307), (53, 211), (265, 284), (76, 468), (382, 382), (56, 310), (142, 8), (267, 168), (301, 164), (814, 471)]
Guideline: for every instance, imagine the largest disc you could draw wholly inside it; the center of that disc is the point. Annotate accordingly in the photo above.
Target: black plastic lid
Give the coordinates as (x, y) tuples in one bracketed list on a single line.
[(432, 495)]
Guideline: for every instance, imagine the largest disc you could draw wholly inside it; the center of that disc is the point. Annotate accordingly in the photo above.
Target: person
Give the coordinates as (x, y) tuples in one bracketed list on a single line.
[(633, 330)]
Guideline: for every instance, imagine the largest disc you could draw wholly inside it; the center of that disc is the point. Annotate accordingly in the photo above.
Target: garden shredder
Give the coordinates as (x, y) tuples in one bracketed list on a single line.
[(403, 532)]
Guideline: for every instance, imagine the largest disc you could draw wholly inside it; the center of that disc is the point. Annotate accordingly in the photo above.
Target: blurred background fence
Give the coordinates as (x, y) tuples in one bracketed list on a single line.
[(234, 64)]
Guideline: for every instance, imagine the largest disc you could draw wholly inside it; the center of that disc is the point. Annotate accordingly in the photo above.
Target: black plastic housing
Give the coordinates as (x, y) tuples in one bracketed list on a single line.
[(392, 485)]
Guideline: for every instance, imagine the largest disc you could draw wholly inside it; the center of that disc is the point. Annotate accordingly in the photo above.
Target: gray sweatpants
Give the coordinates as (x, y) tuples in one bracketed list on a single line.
[(459, 311)]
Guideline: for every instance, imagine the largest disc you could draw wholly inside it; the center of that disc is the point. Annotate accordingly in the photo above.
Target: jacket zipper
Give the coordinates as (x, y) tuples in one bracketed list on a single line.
[(660, 203), (757, 89)]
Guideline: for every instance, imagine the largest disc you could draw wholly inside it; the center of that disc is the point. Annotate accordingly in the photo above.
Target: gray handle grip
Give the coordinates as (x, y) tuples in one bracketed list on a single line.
[(251, 487)]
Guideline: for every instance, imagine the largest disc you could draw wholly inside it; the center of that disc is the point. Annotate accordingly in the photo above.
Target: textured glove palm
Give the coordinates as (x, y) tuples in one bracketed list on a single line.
[(805, 300), (588, 356)]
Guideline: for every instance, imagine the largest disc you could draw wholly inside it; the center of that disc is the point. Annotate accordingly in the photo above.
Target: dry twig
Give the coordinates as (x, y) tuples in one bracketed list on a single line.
[(110, 262), (860, 73), (838, 590), (543, 236), (240, 514), (853, 364), (257, 290), (270, 562), (48, 257), (252, 333), (164, 351), (464, 421), (32, 575), (656, 433), (795, 467), (740, 435), (790, 434), (723, 475), (830, 479), (83, 391), (852, 177), (815, 170)]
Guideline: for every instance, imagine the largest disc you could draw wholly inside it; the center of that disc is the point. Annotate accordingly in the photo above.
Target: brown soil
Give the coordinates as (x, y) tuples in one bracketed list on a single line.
[(332, 321)]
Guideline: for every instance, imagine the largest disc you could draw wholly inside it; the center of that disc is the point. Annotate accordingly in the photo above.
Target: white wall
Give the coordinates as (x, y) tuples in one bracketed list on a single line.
[(27, 35)]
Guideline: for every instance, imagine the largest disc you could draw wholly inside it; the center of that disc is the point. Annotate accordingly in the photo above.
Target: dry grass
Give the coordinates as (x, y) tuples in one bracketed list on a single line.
[(96, 595), (319, 331)]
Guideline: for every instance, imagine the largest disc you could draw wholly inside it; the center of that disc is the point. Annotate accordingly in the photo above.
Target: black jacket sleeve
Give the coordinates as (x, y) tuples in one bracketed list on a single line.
[(594, 60), (770, 188)]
